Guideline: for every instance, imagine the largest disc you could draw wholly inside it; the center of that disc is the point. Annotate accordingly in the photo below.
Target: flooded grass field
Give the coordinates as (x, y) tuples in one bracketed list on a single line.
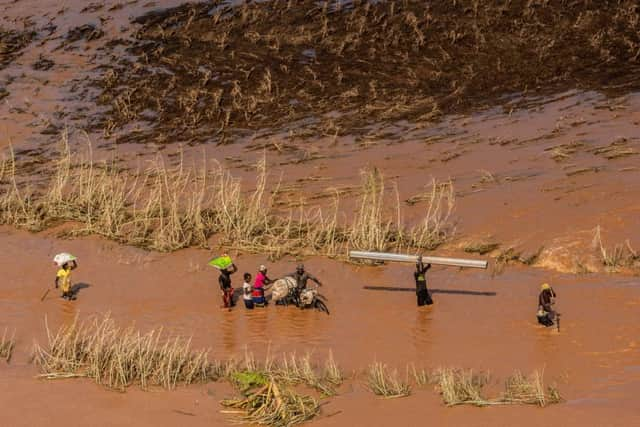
[(145, 137)]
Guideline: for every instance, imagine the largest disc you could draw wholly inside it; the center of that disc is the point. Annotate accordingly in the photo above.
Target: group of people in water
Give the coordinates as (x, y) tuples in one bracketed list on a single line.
[(253, 294)]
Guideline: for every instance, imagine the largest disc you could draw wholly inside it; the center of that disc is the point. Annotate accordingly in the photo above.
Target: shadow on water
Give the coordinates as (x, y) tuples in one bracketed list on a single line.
[(433, 291), (77, 287)]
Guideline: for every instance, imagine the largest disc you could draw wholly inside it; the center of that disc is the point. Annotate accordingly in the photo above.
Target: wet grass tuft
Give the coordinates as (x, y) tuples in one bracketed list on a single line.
[(458, 387), (383, 383), (7, 344), (530, 390)]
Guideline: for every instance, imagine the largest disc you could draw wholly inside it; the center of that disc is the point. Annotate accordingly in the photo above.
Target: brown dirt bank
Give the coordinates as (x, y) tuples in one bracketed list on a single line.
[(478, 321)]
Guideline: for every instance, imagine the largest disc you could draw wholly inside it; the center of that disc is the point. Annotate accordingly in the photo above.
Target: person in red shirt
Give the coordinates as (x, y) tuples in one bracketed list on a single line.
[(261, 281)]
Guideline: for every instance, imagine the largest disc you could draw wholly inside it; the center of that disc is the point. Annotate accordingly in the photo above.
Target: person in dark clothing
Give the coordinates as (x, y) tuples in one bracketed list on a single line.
[(225, 285), (302, 277), (546, 314), (421, 283)]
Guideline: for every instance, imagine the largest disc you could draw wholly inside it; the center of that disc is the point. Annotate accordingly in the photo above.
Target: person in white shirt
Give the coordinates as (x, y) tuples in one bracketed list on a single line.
[(246, 291)]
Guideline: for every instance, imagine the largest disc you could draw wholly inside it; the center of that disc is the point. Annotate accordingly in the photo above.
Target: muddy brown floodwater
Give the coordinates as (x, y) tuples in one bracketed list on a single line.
[(477, 321), (536, 174)]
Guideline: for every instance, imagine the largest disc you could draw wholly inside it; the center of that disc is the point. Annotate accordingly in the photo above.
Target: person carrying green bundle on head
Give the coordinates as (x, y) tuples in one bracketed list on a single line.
[(227, 268)]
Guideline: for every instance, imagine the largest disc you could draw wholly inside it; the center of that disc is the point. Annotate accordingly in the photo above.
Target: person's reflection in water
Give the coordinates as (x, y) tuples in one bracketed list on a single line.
[(228, 333), (422, 331)]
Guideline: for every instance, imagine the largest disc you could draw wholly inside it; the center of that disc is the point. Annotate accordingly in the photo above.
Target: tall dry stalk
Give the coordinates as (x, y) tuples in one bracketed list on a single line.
[(433, 228), (18, 206), (618, 256), (370, 230)]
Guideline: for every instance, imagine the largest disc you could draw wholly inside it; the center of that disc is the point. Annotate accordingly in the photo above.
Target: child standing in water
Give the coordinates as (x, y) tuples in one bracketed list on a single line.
[(246, 291), (63, 279)]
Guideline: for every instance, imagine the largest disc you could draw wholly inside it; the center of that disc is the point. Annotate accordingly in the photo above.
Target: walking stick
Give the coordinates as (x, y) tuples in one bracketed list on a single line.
[(558, 321), (44, 295)]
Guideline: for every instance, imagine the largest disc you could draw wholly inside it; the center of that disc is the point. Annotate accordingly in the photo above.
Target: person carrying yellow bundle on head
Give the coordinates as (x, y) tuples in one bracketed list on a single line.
[(67, 263)]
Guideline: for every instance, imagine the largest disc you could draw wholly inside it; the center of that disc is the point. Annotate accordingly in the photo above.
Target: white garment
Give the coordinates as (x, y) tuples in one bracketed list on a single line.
[(246, 291)]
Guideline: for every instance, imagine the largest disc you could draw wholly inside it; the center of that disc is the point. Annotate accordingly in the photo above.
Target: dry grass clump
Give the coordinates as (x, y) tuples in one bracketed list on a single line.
[(268, 394), (459, 387), (520, 389), (480, 247), (267, 402), (290, 369), (7, 344), (615, 150), (300, 370), (383, 383), (11, 43), (619, 256), (464, 387), (512, 255), (119, 357)]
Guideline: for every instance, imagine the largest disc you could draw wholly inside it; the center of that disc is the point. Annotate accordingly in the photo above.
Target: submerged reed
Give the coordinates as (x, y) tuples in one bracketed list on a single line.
[(7, 343)]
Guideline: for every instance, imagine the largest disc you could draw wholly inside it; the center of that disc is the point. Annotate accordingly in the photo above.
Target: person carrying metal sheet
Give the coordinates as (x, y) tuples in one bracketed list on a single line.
[(420, 276)]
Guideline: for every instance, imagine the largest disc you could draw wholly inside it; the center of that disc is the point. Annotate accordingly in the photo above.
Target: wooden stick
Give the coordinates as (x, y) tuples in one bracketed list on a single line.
[(44, 295)]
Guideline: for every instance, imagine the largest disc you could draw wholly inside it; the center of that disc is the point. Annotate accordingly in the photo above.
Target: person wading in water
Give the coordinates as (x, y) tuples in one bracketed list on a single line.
[(302, 277), (421, 283), (224, 280), (546, 314)]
